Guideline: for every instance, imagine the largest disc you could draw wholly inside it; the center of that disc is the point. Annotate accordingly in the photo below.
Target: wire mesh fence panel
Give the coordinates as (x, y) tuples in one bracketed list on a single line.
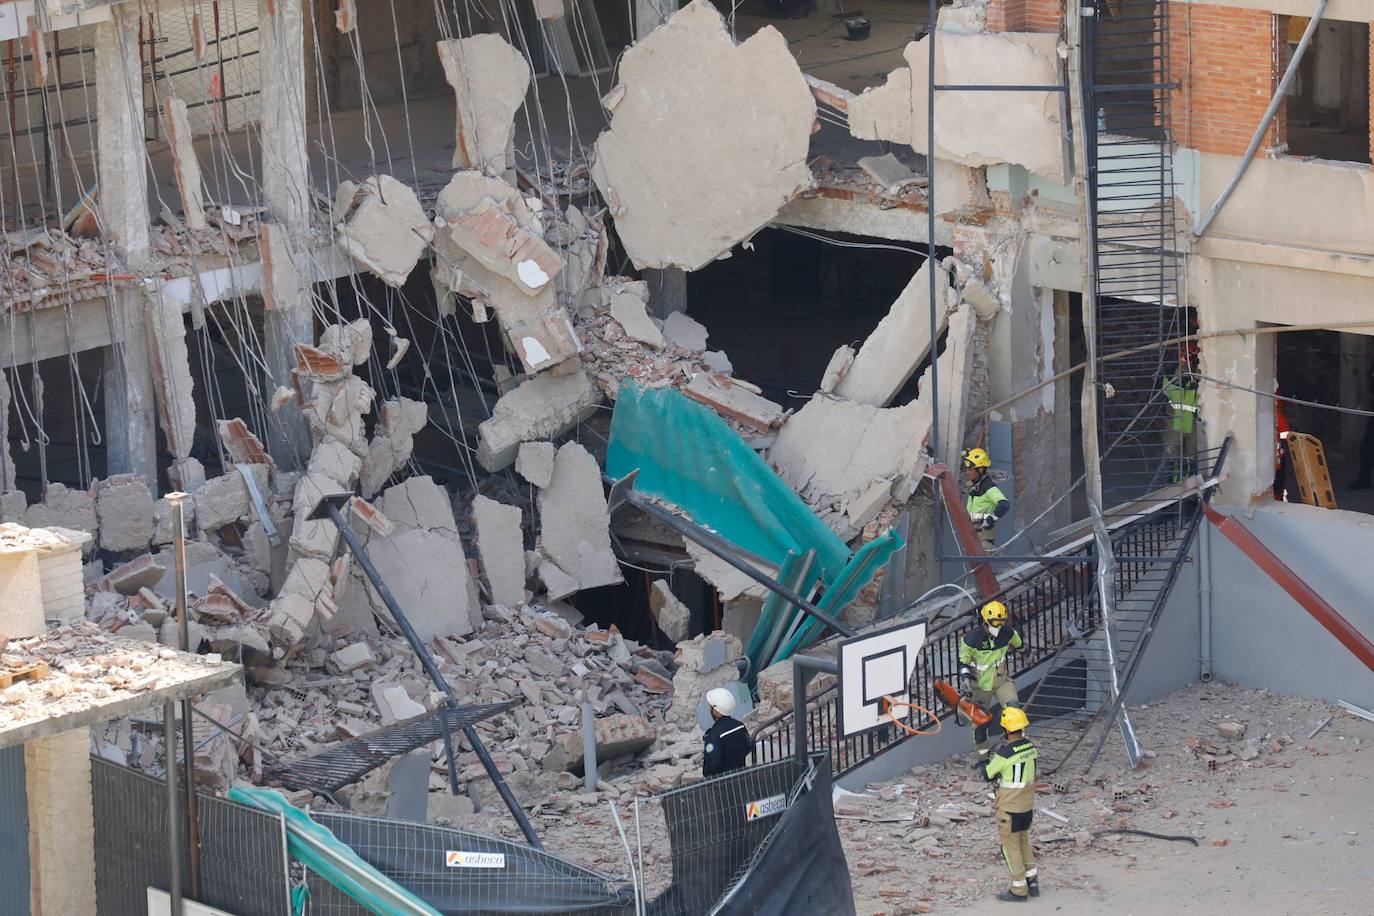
[(460, 872), (222, 85), (242, 851), (715, 828)]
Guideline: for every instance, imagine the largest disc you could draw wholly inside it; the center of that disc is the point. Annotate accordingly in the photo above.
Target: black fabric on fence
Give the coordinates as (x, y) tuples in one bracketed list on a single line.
[(415, 856), (242, 850), (801, 867)]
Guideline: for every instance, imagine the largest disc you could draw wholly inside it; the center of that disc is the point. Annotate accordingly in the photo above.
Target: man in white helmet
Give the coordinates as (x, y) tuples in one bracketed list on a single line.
[(728, 743)]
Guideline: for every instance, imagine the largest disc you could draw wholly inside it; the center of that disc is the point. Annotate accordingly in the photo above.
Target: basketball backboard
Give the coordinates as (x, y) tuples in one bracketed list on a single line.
[(873, 666)]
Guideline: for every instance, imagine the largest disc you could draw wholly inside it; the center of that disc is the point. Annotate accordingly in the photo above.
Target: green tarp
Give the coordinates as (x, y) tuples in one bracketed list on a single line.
[(686, 455)]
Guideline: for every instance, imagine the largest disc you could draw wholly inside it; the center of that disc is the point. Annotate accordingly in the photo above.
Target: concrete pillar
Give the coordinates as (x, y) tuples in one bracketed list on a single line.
[(1355, 365), (57, 778), (286, 190), (667, 290), (123, 205), (1249, 418)]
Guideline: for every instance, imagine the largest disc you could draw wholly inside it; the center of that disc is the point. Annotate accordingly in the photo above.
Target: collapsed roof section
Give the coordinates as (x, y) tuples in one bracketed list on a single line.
[(708, 139)]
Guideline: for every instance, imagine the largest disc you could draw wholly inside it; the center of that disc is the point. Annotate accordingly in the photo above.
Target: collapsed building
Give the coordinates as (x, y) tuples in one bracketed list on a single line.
[(469, 265)]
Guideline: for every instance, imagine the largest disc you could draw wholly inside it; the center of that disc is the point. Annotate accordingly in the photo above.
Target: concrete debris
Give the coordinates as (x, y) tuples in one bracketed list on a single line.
[(688, 95), (576, 537), (686, 332), (394, 704), (628, 309), (350, 343), (64, 508), (541, 407), (729, 582), (346, 16), (981, 299), (225, 499), (703, 664), (956, 361), (400, 420), (485, 233), (839, 364), (489, 79), (14, 505), (306, 592), (737, 400), (615, 736), (833, 452), (351, 658), (501, 546), (899, 344), (125, 510), (336, 410), (673, 617), (170, 362), (1029, 131), (534, 462), (1231, 730), (382, 226), (890, 173), (242, 446), (184, 163)]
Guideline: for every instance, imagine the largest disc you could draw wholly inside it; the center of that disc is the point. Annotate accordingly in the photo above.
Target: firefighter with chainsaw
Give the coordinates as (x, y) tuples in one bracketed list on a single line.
[(986, 502), (983, 671), (1012, 768)]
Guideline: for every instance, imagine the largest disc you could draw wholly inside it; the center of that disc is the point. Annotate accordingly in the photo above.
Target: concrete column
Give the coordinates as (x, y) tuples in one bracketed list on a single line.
[(123, 205), (57, 777), (667, 287), (286, 190), (1247, 361)]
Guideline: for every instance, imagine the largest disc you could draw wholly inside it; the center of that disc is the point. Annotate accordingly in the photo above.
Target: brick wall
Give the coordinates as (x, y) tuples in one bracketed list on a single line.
[(1223, 60), (1024, 15)]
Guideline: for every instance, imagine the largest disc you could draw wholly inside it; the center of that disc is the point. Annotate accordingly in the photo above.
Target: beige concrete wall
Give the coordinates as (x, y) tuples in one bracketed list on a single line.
[(57, 773), (1313, 204), (21, 594)]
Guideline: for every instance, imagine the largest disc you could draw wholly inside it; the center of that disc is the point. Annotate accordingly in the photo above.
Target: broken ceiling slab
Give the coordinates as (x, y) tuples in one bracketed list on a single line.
[(628, 303), (1028, 128), (729, 582), (736, 400), (833, 452), (501, 547), (684, 331), (541, 407), (489, 80), (899, 344), (382, 226), (708, 139), (576, 532), (489, 249)]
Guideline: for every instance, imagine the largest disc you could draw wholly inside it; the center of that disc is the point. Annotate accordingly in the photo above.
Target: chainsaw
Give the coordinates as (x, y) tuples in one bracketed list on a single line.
[(970, 710)]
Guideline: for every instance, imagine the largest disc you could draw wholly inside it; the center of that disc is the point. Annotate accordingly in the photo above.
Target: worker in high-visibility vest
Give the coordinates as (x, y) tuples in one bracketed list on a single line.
[(1180, 441), (986, 502), (1012, 767)]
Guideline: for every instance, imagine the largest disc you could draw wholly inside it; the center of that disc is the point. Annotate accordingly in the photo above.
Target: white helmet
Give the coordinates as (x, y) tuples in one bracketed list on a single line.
[(721, 700)]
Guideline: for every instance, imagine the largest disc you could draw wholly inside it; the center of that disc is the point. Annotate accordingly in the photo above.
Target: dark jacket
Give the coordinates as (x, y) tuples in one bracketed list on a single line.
[(728, 745)]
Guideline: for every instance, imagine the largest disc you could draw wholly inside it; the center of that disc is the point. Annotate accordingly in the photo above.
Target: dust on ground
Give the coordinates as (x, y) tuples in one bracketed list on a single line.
[(1286, 831)]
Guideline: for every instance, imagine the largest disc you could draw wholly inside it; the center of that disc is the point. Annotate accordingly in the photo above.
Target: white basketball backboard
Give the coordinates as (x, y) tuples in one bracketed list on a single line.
[(873, 666)]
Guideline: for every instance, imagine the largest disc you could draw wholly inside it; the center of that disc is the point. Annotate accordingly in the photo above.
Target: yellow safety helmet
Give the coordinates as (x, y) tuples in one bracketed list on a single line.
[(994, 613), (1013, 719), (977, 458)]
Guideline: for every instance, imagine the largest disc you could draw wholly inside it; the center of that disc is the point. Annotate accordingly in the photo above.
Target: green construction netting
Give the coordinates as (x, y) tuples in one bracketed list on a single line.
[(686, 455), (319, 850)]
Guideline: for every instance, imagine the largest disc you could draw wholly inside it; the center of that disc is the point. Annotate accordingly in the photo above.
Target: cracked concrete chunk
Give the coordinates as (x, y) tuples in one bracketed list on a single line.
[(184, 163), (833, 452), (686, 332), (225, 499), (485, 231), (1028, 130), (535, 462), (628, 309), (541, 407), (708, 142), (734, 399), (899, 344), (674, 618), (384, 228), (576, 535), (501, 547), (428, 575), (489, 79), (351, 343), (419, 503), (839, 364), (243, 447), (889, 173), (125, 509)]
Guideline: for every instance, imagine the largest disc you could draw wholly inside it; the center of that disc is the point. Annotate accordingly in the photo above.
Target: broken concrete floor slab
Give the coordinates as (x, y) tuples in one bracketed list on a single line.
[(489, 80), (543, 406), (575, 536), (708, 139), (899, 344), (381, 225), (1029, 129), (501, 546)]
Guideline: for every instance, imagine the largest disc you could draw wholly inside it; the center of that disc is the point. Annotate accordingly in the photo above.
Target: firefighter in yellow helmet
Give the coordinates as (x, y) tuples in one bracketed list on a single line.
[(986, 501), (1012, 767), (983, 666)]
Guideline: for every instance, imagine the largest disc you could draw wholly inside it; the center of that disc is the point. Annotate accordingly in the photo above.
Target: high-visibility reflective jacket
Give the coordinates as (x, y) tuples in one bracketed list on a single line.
[(984, 499), (982, 652), (1183, 401), (1012, 767)]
